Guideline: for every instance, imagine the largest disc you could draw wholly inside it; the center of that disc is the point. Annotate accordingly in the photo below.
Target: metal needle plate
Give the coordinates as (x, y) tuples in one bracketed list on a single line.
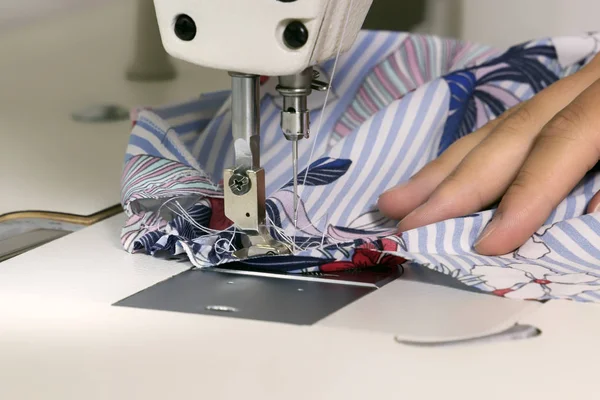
[(264, 297)]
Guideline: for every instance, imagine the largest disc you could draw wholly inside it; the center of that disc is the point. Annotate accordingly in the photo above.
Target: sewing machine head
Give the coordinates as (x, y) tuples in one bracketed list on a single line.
[(282, 38), (260, 37)]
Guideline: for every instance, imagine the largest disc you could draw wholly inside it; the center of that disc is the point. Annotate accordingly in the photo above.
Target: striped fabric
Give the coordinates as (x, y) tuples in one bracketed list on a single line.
[(397, 101), (394, 77)]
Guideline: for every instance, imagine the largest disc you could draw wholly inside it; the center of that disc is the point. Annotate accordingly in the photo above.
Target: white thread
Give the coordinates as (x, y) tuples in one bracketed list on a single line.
[(310, 223), (322, 117), (221, 249), (157, 213), (281, 232), (233, 237), (185, 215)]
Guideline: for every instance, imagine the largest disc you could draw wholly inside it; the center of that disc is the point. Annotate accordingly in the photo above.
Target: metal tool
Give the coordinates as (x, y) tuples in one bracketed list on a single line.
[(245, 182), (298, 300), (295, 117), (245, 188)]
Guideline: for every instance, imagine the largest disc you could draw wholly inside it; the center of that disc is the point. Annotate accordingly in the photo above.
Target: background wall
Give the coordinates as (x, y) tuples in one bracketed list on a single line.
[(506, 22), (18, 12), (495, 22)]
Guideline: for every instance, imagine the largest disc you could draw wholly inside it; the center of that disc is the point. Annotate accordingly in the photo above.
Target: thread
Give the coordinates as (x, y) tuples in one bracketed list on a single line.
[(283, 237), (157, 226), (185, 215), (325, 230), (322, 116)]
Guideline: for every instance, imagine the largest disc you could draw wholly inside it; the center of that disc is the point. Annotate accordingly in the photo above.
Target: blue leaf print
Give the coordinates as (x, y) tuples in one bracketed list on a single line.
[(462, 86), (186, 231), (275, 218), (147, 241), (495, 105), (525, 61), (323, 172), (200, 214), (519, 64)]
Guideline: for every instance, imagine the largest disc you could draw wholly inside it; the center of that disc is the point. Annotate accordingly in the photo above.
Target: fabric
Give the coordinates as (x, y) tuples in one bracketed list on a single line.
[(397, 102)]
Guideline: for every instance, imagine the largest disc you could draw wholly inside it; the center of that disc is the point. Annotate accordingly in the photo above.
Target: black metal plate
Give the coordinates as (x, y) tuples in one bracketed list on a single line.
[(264, 298)]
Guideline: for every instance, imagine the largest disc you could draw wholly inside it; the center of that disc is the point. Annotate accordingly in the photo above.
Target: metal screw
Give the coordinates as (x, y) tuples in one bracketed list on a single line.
[(239, 184), (295, 35), (185, 28), (221, 309)]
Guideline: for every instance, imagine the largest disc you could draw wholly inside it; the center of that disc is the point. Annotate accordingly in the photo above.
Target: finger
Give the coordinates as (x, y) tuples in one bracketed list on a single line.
[(567, 148), (396, 203), (594, 204), (399, 201), (488, 170)]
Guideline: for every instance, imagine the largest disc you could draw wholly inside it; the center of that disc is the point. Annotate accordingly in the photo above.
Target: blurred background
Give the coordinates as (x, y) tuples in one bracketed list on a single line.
[(70, 71), (494, 22)]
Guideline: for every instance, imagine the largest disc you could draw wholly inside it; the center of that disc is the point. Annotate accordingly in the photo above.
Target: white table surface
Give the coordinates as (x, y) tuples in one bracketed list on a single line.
[(60, 338), (57, 65)]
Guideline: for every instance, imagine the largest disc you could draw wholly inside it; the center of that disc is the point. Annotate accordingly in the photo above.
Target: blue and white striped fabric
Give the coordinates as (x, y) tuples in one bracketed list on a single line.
[(397, 101)]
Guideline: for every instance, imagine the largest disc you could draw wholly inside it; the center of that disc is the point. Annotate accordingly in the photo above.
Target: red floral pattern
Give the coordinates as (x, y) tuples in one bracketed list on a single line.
[(369, 255), (218, 220)]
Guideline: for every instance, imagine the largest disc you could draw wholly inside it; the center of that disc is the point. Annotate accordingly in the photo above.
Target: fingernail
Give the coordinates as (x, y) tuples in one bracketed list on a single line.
[(597, 209), (489, 229), (397, 187)]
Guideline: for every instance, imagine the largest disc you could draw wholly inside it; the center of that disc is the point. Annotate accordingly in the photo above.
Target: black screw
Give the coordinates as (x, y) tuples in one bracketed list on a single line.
[(185, 27), (295, 35)]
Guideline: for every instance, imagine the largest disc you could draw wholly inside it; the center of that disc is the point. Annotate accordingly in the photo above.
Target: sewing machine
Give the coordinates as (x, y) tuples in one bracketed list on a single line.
[(293, 37), (290, 39), (67, 332)]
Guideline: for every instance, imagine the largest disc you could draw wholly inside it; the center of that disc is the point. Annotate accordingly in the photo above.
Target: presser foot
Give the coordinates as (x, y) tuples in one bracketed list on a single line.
[(262, 244), (244, 195)]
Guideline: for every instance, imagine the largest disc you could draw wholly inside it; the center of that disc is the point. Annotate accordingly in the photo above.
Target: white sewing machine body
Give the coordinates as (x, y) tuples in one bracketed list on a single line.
[(248, 36), (62, 337)]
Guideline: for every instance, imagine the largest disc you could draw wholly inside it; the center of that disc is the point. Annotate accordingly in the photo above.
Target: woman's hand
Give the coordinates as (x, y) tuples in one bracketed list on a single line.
[(531, 157)]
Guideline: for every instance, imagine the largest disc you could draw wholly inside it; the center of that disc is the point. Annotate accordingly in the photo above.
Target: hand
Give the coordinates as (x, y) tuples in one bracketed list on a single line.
[(529, 158)]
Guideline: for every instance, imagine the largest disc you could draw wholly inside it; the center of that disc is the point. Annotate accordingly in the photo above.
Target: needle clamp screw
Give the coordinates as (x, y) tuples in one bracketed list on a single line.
[(239, 184)]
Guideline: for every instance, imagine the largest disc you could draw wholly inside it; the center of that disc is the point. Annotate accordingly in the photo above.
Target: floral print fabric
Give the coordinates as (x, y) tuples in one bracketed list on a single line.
[(397, 102)]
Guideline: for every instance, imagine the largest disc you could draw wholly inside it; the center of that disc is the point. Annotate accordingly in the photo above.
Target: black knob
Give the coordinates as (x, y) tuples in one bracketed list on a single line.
[(185, 28), (295, 35)]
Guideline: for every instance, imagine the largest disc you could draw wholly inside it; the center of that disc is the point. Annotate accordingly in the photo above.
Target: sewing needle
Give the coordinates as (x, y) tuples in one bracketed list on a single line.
[(295, 172)]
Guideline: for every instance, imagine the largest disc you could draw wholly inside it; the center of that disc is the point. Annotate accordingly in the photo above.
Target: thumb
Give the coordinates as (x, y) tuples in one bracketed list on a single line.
[(594, 205)]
